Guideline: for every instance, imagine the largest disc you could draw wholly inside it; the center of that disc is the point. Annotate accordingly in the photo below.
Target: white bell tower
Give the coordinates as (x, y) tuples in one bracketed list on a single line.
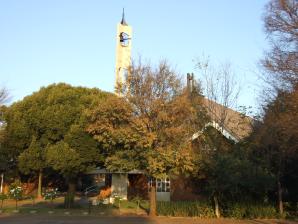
[(123, 52)]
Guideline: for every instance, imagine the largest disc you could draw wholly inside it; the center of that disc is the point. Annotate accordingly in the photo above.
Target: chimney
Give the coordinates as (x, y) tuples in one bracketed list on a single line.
[(190, 82)]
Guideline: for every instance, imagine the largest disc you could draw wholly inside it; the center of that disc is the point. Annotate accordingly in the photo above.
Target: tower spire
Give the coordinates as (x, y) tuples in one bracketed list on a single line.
[(123, 22)]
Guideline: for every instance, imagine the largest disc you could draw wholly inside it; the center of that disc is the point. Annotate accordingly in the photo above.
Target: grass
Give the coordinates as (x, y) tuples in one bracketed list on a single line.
[(186, 209), (44, 207), (133, 205), (40, 206), (60, 211)]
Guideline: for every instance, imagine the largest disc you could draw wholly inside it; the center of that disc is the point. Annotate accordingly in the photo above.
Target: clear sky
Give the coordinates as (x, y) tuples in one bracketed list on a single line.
[(73, 41)]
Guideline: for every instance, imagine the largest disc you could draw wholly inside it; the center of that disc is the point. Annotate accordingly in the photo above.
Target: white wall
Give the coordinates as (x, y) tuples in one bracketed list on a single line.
[(119, 185)]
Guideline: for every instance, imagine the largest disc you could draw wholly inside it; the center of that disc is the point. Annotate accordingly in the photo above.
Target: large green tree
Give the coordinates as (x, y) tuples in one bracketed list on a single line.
[(48, 121), (32, 159), (77, 153), (229, 172), (150, 126), (275, 140), (215, 165)]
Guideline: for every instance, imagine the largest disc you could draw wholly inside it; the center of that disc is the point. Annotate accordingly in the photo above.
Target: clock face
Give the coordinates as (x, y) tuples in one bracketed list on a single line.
[(124, 39)]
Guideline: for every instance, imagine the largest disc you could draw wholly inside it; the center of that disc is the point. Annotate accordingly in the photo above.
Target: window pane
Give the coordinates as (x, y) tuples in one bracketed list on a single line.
[(163, 187)]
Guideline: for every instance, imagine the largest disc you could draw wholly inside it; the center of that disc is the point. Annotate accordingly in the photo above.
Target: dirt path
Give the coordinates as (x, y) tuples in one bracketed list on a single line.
[(48, 219)]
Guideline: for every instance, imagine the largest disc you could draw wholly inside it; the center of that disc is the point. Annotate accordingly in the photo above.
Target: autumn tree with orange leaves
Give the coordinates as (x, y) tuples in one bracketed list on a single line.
[(150, 126)]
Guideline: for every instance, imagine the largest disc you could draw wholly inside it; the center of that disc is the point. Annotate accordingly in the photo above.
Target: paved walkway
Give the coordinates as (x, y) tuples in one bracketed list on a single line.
[(47, 219)]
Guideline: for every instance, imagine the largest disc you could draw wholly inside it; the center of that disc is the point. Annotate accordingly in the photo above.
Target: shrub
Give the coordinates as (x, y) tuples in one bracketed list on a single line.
[(2, 198), (291, 209), (16, 192), (261, 211), (117, 200), (250, 210), (203, 209), (186, 208), (237, 211), (138, 200), (51, 194)]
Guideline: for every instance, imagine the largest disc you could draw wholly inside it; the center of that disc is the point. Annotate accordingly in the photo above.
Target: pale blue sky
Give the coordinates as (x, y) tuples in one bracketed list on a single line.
[(73, 41)]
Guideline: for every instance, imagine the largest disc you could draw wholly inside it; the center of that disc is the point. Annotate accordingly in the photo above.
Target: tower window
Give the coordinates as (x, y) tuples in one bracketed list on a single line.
[(124, 39)]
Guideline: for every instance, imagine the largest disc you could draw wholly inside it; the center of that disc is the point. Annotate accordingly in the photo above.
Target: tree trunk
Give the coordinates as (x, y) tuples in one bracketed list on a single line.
[(216, 206), (152, 211), (2, 180), (39, 195), (69, 198), (279, 193), (138, 207)]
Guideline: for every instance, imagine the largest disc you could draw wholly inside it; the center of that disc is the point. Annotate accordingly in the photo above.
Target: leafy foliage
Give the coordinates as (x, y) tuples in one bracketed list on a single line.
[(16, 192), (47, 130), (51, 194), (275, 142), (63, 158), (150, 127), (46, 115), (119, 134), (33, 158)]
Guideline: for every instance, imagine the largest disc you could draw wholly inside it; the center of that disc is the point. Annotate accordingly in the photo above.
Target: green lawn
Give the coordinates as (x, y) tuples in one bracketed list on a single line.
[(45, 207)]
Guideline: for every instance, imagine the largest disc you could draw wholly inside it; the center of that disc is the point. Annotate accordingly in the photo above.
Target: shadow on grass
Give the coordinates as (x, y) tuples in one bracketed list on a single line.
[(37, 219), (42, 207)]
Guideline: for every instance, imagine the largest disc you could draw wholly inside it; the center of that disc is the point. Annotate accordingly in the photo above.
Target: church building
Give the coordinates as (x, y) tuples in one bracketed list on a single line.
[(130, 184)]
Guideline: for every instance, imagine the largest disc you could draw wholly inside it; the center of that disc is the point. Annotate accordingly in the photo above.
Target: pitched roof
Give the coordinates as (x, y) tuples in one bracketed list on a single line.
[(234, 123)]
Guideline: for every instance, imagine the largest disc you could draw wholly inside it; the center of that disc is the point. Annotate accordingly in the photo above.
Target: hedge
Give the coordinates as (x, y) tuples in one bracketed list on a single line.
[(186, 208), (204, 209), (250, 210)]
